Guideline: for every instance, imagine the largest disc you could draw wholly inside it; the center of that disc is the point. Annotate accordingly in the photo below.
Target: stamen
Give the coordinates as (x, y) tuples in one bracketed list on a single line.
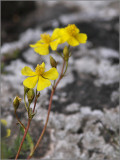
[(72, 29), (46, 38), (39, 70)]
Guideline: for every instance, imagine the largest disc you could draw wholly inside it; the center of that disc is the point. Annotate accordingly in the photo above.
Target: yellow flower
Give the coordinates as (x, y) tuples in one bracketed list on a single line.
[(39, 77), (71, 34), (5, 132), (46, 41)]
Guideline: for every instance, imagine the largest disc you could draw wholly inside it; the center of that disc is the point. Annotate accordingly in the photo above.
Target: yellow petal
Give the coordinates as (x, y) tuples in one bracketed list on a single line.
[(42, 49), (27, 71), (43, 83), (64, 35), (54, 44), (72, 41), (52, 74), (43, 65), (34, 45), (30, 82), (56, 33), (8, 132), (82, 38), (61, 34), (4, 122)]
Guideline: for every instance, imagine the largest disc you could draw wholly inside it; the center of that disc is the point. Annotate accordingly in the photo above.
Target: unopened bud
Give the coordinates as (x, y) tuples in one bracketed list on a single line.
[(53, 62), (26, 89), (30, 95), (66, 53), (16, 102)]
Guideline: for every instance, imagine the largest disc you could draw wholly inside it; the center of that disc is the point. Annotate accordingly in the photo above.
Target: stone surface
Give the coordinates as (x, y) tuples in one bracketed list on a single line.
[(84, 120)]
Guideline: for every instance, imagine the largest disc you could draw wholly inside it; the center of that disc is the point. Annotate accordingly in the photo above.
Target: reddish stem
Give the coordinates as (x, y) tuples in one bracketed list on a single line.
[(19, 120), (35, 104), (49, 109), (25, 133), (26, 130)]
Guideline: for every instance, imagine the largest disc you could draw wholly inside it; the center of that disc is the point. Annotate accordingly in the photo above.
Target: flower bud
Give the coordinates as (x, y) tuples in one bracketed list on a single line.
[(16, 102), (66, 53), (53, 62), (26, 89), (30, 95)]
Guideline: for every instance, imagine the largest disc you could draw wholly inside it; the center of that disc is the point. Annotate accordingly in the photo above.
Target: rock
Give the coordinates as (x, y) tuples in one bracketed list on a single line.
[(84, 119), (111, 118), (92, 141), (114, 96), (73, 123), (65, 150), (74, 107), (31, 57), (57, 121), (30, 35), (16, 76), (107, 73)]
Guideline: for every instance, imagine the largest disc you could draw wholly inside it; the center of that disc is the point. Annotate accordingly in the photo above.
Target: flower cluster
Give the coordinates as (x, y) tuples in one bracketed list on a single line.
[(41, 79), (70, 34)]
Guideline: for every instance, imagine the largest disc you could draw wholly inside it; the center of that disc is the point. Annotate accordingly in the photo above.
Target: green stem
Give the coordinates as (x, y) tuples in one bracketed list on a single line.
[(65, 68), (25, 103)]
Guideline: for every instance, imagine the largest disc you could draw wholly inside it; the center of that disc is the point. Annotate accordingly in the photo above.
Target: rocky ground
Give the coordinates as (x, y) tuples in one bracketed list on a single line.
[(84, 121)]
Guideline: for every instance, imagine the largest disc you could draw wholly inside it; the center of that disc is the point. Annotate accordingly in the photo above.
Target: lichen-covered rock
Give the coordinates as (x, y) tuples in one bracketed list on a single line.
[(84, 120)]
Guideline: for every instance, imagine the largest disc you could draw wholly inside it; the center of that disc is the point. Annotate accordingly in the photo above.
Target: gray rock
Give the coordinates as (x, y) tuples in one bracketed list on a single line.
[(73, 123), (30, 35), (65, 150), (74, 107), (32, 57)]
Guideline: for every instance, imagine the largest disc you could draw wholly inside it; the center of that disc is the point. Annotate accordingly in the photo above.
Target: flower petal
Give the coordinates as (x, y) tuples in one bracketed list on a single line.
[(43, 65), (64, 35), (42, 49), (4, 122), (30, 82), (8, 132), (61, 34), (56, 33), (27, 71), (43, 83), (82, 38), (54, 44), (52, 74), (72, 41)]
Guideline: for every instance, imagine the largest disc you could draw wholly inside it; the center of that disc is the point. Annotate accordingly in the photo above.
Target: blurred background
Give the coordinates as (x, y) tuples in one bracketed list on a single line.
[(84, 121)]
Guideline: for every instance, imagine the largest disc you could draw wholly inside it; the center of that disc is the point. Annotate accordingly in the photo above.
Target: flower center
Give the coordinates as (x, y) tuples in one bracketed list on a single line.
[(46, 38), (39, 70), (72, 30)]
